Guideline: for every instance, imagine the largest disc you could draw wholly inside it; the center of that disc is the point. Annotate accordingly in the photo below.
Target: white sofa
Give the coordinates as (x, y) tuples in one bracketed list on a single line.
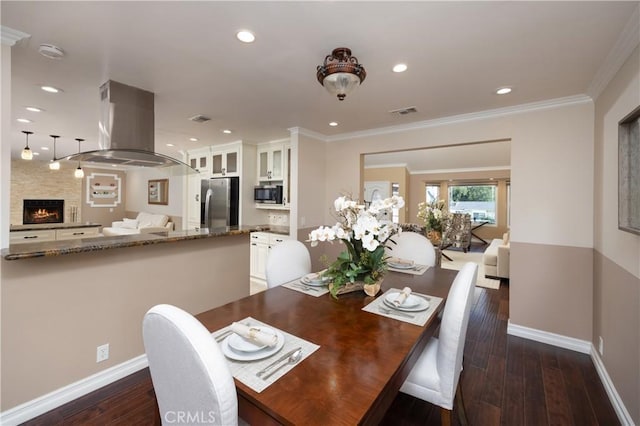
[(496, 258), (144, 223)]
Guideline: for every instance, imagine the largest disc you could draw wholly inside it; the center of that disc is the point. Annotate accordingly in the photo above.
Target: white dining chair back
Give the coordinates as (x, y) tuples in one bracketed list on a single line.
[(190, 375), (435, 376), (287, 261), (412, 246)]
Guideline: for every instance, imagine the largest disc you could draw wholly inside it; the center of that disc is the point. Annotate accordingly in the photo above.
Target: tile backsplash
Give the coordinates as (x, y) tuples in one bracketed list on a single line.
[(279, 219)]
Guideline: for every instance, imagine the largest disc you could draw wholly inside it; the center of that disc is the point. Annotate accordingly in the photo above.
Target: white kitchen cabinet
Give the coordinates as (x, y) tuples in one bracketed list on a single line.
[(261, 245), (225, 163), (271, 162), (200, 159)]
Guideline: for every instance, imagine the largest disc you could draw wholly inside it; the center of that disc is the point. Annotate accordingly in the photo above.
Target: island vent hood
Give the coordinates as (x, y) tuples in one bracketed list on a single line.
[(126, 131)]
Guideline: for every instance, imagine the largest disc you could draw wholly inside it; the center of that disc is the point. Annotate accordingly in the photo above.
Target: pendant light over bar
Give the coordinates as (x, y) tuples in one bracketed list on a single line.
[(27, 154), (54, 164), (79, 173)]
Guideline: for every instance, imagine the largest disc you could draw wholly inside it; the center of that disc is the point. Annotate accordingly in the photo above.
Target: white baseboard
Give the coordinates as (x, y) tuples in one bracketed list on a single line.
[(552, 339), (614, 397), (58, 397), (581, 346)]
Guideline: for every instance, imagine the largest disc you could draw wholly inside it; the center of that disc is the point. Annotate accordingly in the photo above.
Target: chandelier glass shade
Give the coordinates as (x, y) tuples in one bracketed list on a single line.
[(27, 154), (340, 73), (54, 164)]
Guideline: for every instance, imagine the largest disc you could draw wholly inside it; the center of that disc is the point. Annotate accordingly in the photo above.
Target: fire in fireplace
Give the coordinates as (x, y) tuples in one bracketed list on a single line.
[(43, 211)]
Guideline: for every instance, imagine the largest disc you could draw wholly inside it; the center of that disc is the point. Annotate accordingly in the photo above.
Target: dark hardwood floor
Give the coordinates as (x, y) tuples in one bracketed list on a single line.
[(506, 380)]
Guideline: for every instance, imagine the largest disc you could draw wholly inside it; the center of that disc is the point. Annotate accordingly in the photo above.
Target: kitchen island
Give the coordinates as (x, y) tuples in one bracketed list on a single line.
[(57, 248), (63, 299)]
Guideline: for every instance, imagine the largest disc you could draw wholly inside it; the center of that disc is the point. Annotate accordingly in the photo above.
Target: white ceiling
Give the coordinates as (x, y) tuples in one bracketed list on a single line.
[(458, 53)]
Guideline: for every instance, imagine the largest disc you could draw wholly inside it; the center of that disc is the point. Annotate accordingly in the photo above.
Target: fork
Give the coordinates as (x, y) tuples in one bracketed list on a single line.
[(392, 312)]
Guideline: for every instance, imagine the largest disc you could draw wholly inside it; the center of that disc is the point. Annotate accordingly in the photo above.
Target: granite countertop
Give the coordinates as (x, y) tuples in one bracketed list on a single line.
[(57, 248), (47, 226)]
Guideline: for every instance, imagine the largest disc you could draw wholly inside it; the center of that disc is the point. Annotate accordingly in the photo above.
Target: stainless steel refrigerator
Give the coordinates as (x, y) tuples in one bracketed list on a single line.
[(219, 199)]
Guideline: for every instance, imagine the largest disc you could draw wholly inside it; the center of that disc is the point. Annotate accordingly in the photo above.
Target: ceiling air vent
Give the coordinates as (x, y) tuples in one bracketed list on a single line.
[(200, 118), (404, 111)]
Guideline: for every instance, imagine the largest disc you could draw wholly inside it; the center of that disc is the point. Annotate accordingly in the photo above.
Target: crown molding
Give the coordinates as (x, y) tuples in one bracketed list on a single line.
[(386, 166), (627, 41), (9, 36), (306, 132), (492, 113), (461, 170)]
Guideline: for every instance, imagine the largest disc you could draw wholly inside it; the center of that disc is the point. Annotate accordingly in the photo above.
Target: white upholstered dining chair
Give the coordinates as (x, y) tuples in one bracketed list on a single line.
[(412, 246), (190, 375), (435, 376), (287, 261)]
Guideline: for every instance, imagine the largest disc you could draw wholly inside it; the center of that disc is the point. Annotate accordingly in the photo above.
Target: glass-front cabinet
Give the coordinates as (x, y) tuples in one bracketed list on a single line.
[(225, 163), (271, 162)]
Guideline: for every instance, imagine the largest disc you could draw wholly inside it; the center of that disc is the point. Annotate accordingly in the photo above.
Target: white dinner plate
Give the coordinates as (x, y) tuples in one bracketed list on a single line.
[(410, 302), (423, 305), (400, 264), (315, 279), (252, 356), (240, 344)]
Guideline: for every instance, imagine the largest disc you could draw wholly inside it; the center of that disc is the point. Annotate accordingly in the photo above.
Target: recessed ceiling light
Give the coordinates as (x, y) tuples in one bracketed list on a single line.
[(170, 144), (400, 68), (24, 120), (51, 89), (245, 36), (193, 139), (503, 90), (226, 131), (44, 148), (333, 124), (33, 109)]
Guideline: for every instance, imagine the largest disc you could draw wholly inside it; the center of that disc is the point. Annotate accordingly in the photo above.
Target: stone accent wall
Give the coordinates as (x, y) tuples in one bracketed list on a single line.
[(33, 180)]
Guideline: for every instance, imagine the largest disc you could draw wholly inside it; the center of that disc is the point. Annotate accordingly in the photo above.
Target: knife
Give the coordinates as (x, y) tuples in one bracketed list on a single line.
[(277, 361)]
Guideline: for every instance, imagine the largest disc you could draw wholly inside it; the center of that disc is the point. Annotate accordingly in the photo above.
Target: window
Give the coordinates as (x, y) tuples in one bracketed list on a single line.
[(432, 193), (477, 200)]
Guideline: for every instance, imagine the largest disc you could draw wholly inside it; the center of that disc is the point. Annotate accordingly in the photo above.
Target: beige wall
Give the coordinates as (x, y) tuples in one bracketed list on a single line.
[(33, 180), (398, 175), (103, 215), (312, 162), (551, 166), (57, 310), (616, 303)]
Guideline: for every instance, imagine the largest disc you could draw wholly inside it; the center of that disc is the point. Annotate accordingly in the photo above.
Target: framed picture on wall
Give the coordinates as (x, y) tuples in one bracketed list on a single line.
[(158, 191), (629, 172)]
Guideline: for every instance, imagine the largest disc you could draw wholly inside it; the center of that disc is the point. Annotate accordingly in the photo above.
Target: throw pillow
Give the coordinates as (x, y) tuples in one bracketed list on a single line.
[(505, 238), (130, 223)]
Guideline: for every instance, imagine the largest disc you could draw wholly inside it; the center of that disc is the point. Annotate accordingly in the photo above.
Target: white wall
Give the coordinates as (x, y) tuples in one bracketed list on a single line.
[(137, 196)]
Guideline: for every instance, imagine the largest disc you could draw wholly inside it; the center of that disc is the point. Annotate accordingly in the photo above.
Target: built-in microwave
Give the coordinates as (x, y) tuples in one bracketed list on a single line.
[(268, 194)]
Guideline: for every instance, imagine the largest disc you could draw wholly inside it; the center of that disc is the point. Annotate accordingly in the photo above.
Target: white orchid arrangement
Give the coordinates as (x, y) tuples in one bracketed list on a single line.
[(365, 236)]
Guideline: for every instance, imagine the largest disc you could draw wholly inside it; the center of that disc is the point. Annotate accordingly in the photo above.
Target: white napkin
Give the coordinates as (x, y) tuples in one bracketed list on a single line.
[(254, 334), (402, 296)]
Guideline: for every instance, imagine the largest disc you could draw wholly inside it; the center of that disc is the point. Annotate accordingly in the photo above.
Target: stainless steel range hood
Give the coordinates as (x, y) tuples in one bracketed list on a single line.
[(126, 131)]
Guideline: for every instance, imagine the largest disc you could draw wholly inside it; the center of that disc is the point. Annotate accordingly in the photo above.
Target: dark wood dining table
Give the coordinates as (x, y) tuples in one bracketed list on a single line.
[(363, 358)]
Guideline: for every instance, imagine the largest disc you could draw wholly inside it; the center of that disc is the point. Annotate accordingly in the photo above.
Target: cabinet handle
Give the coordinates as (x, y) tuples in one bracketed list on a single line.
[(254, 244), (78, 233), (197, 197), (30, 237)]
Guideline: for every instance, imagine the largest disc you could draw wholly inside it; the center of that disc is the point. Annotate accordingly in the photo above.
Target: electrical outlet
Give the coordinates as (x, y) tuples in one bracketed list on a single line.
[(102, 353), (601, 346)]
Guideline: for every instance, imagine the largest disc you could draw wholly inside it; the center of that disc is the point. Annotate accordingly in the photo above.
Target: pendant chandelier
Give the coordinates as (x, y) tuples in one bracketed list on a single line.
[(79, 173), (27, 154), (340, 73), (54, 164)]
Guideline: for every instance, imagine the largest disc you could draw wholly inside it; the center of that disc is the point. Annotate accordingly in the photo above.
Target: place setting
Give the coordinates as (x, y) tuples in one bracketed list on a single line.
[(258, 354), (404, 305), (314, 284), (406, 266)]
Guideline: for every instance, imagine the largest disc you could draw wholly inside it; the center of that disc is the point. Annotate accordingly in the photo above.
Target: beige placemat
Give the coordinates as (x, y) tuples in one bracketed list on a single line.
[(297, 285), (416, 270), (246, 371), (417, 318)]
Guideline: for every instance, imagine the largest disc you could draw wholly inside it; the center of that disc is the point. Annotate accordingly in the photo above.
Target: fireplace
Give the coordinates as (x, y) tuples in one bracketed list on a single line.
[(43, 211)]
